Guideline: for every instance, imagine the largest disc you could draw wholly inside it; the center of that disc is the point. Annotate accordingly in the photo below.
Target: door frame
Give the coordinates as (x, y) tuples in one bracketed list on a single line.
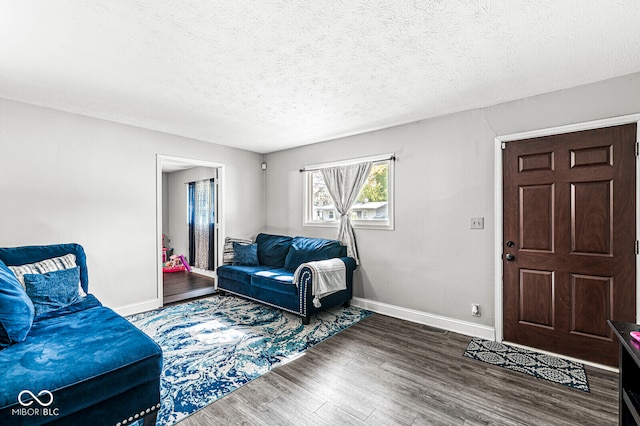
[(220, 197), (498, 204)]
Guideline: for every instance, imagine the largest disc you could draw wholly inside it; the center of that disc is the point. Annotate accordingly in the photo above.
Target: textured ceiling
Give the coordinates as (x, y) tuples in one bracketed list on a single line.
[(270, 75)]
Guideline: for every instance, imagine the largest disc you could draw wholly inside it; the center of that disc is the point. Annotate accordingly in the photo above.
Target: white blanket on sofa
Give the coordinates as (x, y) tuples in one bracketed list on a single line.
[(327, 277)]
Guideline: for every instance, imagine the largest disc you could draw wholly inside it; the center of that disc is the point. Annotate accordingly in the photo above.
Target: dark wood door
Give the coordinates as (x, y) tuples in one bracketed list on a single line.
[(569, 241)]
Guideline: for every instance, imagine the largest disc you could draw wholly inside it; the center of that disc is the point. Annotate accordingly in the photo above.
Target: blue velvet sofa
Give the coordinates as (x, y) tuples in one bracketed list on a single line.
[(81, 364), (270, 279)]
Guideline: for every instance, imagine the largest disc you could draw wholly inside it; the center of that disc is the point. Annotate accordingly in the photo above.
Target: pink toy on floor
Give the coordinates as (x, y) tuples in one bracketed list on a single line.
[(176, 263), (174, 269), (185, 263)]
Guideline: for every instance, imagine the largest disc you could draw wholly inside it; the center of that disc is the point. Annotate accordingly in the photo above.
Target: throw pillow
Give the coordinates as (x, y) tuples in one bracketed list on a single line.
[(53, 290), (16, 309), (227, 253), (304, 249), (48, 265), (273, 249), (245, 254)]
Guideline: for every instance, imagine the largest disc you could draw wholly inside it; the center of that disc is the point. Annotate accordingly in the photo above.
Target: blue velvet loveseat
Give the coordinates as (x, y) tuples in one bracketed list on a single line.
[(64, 358), (269, 278)]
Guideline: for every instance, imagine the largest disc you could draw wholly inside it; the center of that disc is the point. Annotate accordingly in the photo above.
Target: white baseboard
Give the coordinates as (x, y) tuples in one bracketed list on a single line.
[(432, 320), (451, 324), (137, 308)]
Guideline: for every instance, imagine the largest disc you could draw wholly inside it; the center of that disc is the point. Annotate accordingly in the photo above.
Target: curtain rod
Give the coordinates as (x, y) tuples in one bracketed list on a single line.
[(391, 157), (194, 181)]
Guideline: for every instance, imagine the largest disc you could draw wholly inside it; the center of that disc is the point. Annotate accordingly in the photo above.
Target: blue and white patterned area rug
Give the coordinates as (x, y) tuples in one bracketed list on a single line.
[(213, 346), (543, 366)]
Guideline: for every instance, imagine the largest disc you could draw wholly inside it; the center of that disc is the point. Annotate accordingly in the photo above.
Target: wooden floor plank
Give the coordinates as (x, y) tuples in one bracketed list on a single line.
[(295, 394), (323, 382), (385, 371), (336, 416), (379, 418)]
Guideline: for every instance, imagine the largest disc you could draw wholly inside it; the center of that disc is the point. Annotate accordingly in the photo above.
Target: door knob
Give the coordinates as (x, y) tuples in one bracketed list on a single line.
[(510, 257)]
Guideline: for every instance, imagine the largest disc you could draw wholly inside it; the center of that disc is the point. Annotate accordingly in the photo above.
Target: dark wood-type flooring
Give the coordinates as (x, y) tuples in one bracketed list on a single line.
[(385, 371), (177, 286)]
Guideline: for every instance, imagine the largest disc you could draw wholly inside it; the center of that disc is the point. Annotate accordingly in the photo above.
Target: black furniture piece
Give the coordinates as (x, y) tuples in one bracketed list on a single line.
[(629, 385)]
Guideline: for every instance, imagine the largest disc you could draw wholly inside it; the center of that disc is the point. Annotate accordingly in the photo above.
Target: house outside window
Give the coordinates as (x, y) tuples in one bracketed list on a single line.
[(373, 207)]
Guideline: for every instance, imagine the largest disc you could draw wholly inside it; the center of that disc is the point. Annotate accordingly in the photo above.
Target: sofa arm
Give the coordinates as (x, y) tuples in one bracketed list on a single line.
[(305, 286), (305, 276), (350, 263)]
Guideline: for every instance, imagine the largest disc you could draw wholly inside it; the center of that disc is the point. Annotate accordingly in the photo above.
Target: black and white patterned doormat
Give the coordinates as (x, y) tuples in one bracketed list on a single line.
[(543, 366)]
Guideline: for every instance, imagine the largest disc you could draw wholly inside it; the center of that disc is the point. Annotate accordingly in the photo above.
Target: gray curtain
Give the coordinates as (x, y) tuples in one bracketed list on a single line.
[(344, 184), (202, 219)]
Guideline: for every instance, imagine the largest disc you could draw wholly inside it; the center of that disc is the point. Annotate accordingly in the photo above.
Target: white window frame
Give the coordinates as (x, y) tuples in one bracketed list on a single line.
[(307, 171)]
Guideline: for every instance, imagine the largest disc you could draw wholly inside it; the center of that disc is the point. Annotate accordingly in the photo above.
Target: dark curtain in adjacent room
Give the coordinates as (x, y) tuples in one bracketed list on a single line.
[(202, 224)]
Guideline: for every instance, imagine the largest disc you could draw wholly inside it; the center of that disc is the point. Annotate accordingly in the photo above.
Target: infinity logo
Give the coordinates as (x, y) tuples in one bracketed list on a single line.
[(29, 393)]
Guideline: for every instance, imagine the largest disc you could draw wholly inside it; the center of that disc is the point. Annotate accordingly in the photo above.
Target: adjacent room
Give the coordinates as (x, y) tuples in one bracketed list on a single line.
[(292, 212)]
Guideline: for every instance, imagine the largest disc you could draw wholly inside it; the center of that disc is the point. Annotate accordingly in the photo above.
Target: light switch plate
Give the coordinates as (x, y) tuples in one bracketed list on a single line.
[(477, 223)]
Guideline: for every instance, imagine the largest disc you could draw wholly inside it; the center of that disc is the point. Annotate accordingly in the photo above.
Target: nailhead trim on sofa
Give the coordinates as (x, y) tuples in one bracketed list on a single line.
[(138, 415)]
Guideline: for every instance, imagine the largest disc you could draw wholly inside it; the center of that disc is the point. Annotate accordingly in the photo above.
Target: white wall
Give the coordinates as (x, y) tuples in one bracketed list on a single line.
[(70, 178), (165, 203), (432, 262), (178, 199)]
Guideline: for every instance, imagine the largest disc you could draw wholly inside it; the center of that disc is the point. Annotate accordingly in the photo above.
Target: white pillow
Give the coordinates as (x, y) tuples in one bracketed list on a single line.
[(67, 261)]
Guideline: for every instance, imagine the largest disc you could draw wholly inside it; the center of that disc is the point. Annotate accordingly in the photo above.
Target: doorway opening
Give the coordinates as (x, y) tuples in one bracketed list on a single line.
[(181, 272)]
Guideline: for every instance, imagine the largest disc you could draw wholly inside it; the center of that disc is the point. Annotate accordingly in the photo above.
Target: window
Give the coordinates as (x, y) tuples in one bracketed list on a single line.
[(373, 207)]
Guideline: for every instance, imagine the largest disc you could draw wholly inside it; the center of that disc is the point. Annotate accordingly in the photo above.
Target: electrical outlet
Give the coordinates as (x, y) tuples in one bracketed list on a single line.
[(477, 223), (475, 309)]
